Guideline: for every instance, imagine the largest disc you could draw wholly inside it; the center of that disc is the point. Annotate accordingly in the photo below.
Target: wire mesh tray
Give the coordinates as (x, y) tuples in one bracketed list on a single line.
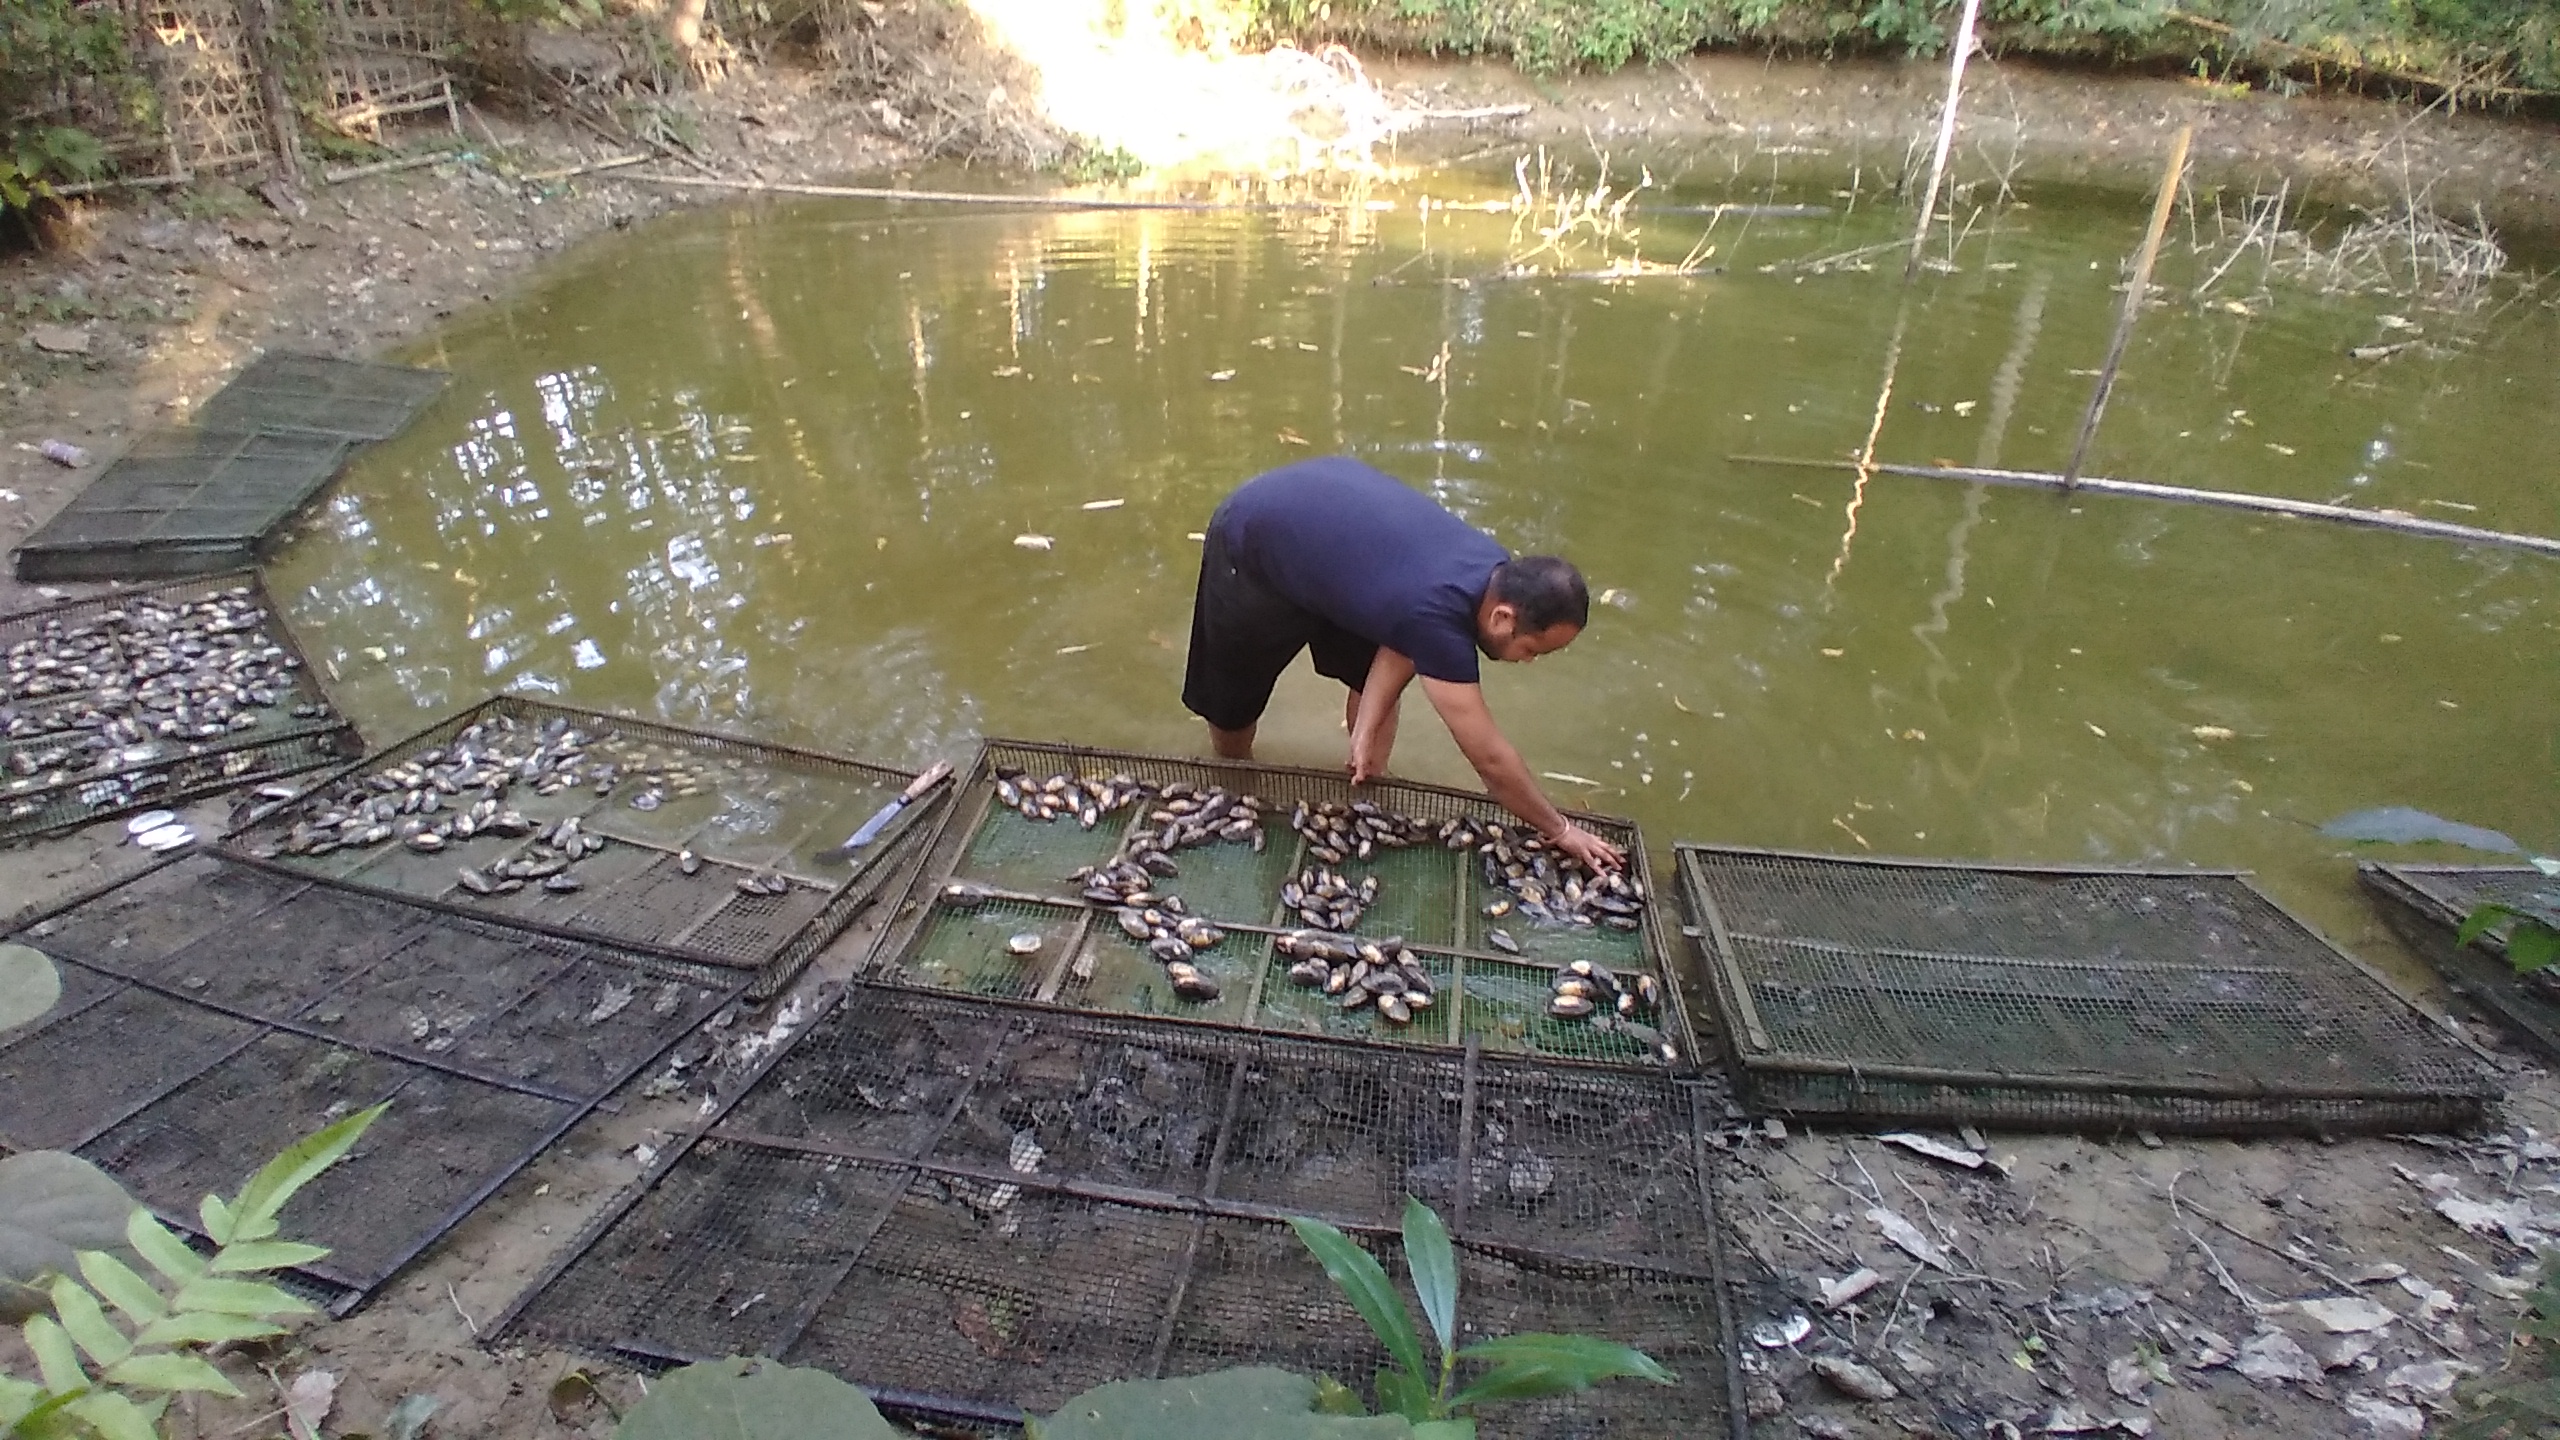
[(2426, 904), (979, 1208), (2054, 998), (693, 845), (355, 400), (154, 726), (212, 1013), (182, 502), (1014, 883)]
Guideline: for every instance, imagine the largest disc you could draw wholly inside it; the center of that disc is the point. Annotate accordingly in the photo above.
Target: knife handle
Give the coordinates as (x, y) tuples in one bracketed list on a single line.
[(926, 781)]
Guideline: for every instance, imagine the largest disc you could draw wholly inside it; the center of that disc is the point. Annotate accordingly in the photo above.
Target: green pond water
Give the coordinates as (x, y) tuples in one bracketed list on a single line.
[(764, 468)]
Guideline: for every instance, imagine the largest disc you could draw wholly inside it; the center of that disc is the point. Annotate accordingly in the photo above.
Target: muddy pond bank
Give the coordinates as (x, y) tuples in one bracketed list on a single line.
[(2078, 1255)]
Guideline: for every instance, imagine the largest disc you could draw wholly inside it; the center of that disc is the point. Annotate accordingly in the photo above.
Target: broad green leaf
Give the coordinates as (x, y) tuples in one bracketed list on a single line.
[(2533, 946), (122, 1287), (87, 1324), (204, 1327), (29, 985), (1460, 1429), (2479, 921), (1335, 1398), (115, 1417), (263, 1255), (263, 1197), (1434, 1266), (1365, 1285), (172, 1372), (739, 1399), (1402, 1394), (1249, 1403), (52, 1206), (17, 1398), (1526, 1367), (166, 1252), (236, 1297), (220, 1225), (57, 1361)]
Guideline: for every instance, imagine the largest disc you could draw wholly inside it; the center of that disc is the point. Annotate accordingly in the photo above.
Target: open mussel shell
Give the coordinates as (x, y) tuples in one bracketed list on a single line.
[(1024, 945)]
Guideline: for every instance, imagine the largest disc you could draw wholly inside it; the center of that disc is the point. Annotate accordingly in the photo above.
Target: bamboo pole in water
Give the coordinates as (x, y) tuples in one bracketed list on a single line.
[(2132, 310), (1946, 135), (2398, 521)]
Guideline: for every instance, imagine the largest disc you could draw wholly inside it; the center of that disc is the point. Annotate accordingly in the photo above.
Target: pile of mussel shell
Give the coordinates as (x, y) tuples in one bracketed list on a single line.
[(1336, 832), (1158, 920), (545, 862), (1062, 796), (1359, 973), (1329, 900), (1544, 884), (1585, 989), (1187, 815), (139, 682), (444, 794)]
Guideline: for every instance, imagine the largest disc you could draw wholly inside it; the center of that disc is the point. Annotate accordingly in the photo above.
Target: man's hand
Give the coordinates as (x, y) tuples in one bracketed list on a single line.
[(1594, 852), (1369, 751)]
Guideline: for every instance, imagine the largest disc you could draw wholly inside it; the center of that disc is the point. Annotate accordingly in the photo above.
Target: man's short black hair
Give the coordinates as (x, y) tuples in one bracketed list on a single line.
[(1544, 590)]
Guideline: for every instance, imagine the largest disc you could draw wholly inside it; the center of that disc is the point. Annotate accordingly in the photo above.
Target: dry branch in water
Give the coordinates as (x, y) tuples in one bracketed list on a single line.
[(2409, 252)]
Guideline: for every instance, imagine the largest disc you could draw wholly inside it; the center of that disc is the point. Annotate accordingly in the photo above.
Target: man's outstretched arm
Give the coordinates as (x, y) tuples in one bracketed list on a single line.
[(1373, 726), (1499, 765)]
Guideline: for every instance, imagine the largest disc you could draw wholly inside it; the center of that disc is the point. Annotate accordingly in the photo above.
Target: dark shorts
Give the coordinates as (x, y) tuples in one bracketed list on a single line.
[(1243, 635)]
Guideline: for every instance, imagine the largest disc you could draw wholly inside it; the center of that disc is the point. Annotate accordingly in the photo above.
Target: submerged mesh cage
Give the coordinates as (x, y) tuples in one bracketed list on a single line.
[(981, 1208), (685, 822), (2426, 905), (2070, 998), (1015, 879), (317, 394), (213, 1013), (134, 700)]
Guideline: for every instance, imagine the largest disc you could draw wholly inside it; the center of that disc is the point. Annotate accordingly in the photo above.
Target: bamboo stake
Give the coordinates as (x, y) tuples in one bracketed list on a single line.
[(1946, 136), (2133, 294), (2397, 521)]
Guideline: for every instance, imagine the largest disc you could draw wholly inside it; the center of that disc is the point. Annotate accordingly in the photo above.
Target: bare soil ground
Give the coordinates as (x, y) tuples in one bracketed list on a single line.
[(2076, 1284)]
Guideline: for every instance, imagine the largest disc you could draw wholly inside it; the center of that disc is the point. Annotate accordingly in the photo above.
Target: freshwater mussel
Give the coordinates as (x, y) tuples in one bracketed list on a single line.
[(1359, 974), (1628, 1003), (1083, 798), (148, 679), (1542, 884)]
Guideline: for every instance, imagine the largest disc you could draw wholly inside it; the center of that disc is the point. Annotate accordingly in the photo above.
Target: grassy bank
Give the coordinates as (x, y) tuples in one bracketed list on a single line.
[(2476, 50)]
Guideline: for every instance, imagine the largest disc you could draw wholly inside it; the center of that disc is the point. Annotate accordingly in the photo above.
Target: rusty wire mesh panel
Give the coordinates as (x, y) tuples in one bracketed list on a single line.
[(1014, 879), (215, 1012), (182, 502), (685, 819), (2425, 905), (92, 722), (978, 1208), (2054, 997)]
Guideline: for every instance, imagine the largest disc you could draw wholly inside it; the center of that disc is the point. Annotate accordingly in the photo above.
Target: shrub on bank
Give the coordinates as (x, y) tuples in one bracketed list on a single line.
[(2482, 49)]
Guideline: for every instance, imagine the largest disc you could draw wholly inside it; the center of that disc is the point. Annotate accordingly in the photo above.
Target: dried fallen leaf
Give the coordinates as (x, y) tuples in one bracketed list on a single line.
[(1907, 1236), (307, 1402)]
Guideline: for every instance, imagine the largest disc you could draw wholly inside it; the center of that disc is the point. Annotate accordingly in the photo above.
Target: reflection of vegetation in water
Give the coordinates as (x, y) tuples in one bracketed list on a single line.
[(2484, 49)]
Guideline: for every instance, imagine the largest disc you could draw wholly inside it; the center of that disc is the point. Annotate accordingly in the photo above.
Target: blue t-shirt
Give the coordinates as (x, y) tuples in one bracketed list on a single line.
[(1367, 552)]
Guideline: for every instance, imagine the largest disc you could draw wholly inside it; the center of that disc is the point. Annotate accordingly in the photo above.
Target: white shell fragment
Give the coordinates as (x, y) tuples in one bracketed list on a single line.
[(1836, 1293), (149, 820), (165, 838), (1779, 1334)]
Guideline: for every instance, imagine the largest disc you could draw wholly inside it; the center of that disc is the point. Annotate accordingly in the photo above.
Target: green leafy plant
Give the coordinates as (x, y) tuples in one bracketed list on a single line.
[(113, 1350), (1517, 1367), (741, 1399), (2533, 929), (36, 158), (2521, 1398)]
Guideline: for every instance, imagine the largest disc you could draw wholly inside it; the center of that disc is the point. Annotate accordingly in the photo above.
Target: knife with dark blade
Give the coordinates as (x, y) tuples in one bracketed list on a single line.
[(872, 827)]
